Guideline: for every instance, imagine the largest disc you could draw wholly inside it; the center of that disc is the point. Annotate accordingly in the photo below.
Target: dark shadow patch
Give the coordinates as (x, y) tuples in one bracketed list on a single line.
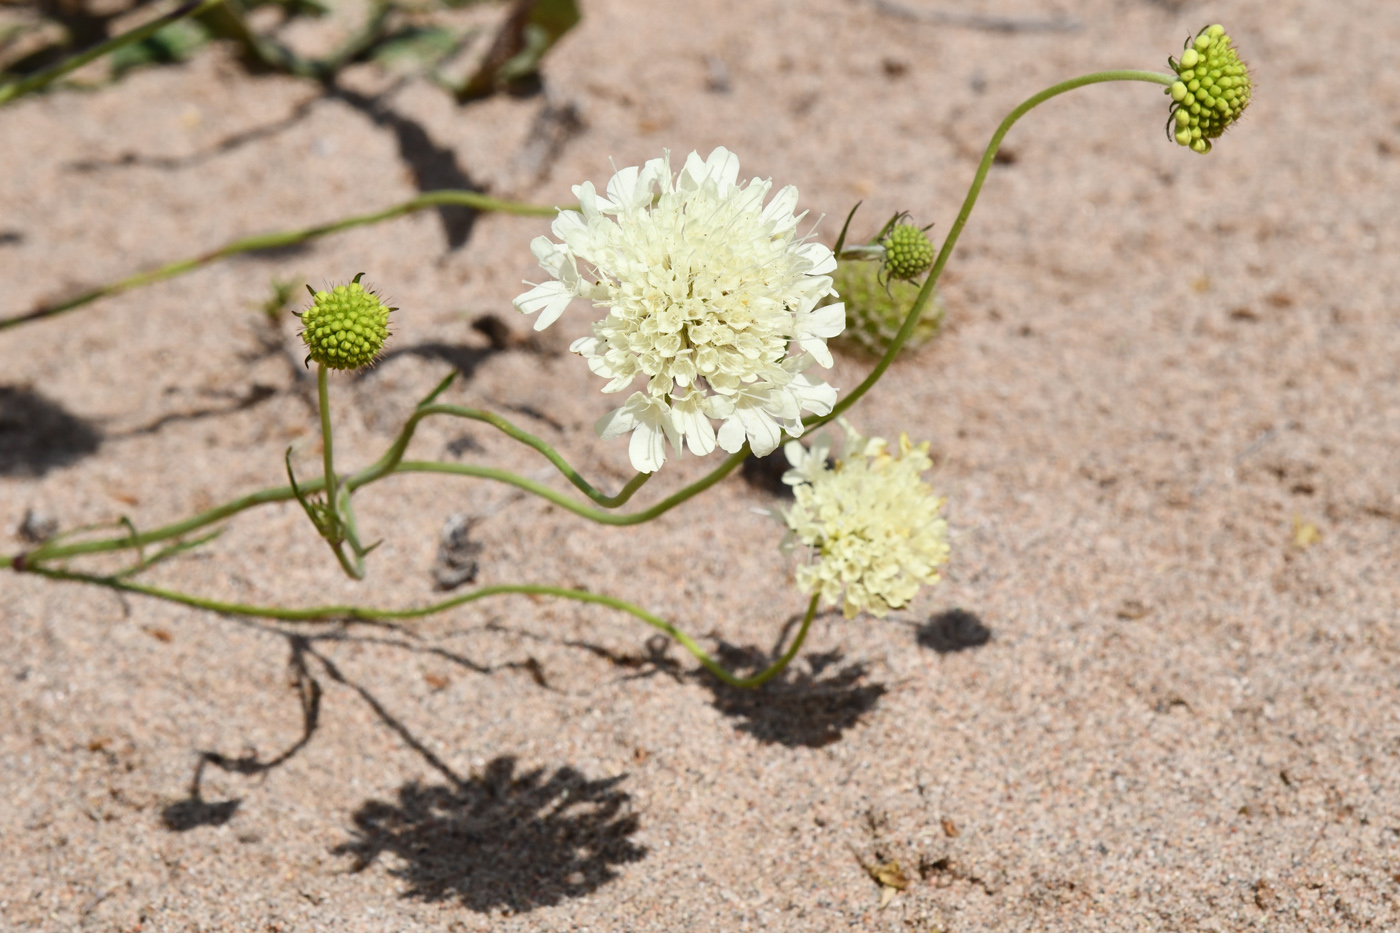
[(811, 708), (11, 238), (37, 435), (501, 840), (766, 473), (185, 815), (954, 630), (434, 167)]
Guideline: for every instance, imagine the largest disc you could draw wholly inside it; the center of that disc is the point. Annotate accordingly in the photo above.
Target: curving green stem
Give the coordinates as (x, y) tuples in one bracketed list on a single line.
[(263, 241), (46, 77), (370, 614), (926, 292), (390, 463)]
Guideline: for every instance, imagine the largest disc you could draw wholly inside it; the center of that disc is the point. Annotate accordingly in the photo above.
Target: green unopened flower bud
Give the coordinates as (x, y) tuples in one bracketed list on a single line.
[(908, 252), (1211, 91), (345, 327)]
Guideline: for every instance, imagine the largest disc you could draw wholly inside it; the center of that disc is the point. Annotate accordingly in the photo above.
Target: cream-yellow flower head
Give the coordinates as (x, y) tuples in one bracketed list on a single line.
[(870, 521), (711, 297)]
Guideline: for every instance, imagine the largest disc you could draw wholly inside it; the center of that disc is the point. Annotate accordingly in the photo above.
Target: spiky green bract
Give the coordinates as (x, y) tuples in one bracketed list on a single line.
[(345, 327), (1211, 91), (908, 252), (875, 309)]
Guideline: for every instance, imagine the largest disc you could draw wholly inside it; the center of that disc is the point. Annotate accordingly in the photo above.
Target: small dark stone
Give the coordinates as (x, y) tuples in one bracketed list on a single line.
[(457, 554), (37, 527)]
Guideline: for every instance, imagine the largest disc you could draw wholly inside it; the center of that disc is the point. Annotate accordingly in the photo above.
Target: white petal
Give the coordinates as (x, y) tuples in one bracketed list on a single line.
[(689, 417), (630, 189), (693, 174), (821, 258), (723, 167), (549, 299), (779, 210), (731, 436), (649, 420), (647, 449), (814, 328), (549, 253), (813, 394), (764, 433), (570, 227)]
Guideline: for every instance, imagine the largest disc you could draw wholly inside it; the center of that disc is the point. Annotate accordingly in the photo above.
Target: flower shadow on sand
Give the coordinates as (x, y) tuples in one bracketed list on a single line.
[(501, 839), (812, 707)]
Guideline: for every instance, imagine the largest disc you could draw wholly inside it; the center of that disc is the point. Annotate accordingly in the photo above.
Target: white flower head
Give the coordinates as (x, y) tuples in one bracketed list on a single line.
[(710, 295), (870, 521)]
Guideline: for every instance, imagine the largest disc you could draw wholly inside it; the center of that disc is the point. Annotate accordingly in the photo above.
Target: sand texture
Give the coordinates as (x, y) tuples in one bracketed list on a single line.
[(1157, 690)]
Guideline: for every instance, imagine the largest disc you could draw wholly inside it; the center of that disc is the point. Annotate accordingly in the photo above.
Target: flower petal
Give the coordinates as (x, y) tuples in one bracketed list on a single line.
[(549, 299)]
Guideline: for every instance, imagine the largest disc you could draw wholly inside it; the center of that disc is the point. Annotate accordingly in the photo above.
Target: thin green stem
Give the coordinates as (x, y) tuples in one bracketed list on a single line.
[(391, 463), (264, 241), (370, 614), (323, 397), (35, 82), (578, 508), (396, 450), (353, 564), (926, 292)]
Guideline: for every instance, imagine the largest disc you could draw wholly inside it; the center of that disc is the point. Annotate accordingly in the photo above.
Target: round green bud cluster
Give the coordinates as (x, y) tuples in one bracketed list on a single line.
[(875, 309), (908, 252), (1211, 91), (345, 327)]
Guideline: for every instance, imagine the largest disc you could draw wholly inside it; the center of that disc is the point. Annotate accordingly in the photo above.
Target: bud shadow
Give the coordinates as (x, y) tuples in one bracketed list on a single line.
[(500, 839), (38, 434), (953, 630)]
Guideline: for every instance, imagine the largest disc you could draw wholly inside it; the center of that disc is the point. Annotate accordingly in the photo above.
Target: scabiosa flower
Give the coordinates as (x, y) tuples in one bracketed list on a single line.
[(870, 520), (1211, 91), (710, 295)]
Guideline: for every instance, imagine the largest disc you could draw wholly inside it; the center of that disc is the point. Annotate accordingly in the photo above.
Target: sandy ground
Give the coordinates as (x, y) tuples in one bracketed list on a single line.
[(1165, 413)]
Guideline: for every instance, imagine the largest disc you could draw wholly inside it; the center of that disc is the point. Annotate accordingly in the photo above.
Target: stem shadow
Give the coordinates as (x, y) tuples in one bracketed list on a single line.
[(811, 708)]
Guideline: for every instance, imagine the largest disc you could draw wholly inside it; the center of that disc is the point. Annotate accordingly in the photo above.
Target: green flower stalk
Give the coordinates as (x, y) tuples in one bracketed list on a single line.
[(1212, 89)]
